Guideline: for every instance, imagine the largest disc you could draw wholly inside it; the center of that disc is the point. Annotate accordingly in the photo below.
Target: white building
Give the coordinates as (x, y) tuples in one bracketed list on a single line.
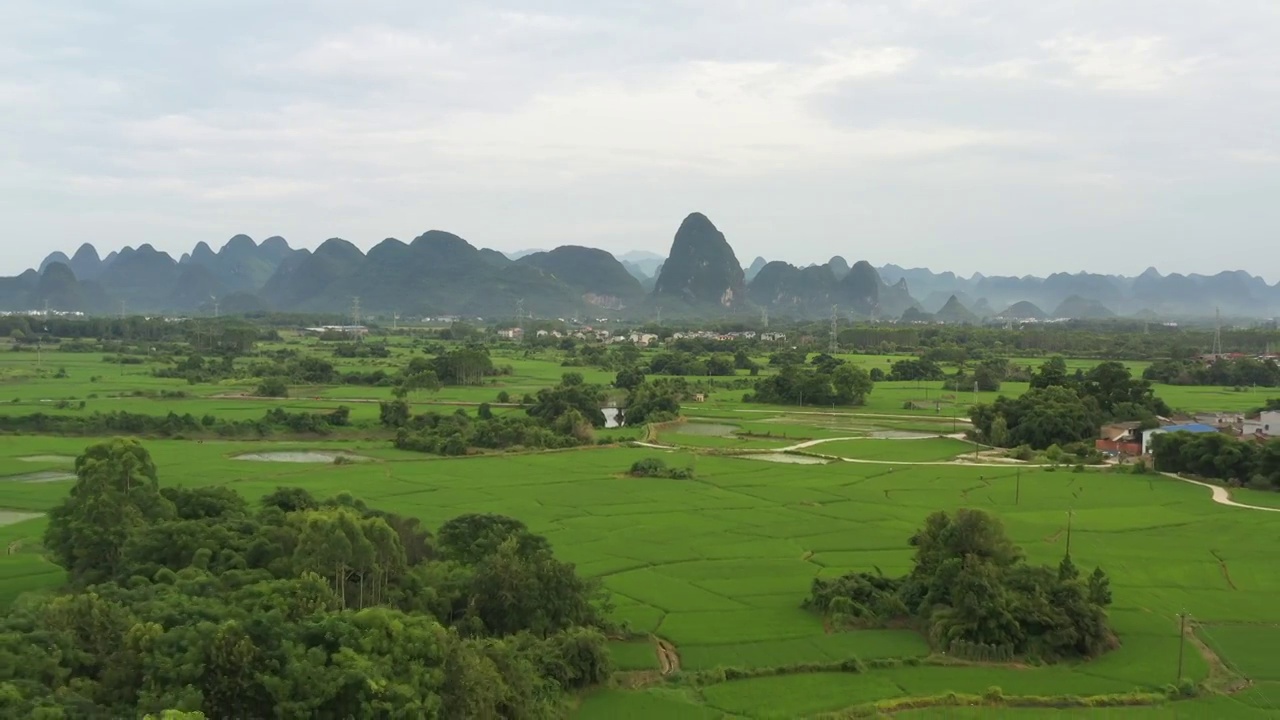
[(1266, 425)]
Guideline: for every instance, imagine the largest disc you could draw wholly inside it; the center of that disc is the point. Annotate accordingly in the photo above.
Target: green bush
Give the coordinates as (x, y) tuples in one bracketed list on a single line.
[(272, 387)]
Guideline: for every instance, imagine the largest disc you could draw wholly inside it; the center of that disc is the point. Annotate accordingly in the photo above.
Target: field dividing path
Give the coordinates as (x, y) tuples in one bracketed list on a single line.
[(885, 416), (811, 443)]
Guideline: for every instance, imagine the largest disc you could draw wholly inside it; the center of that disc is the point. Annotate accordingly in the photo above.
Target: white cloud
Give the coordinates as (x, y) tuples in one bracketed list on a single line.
[(1139, 63)]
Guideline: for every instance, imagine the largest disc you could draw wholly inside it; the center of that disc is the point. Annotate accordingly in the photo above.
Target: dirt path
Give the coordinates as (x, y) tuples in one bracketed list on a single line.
[(921, 418), (820, 441), (1221, 495), (654, 446), (668, 658)]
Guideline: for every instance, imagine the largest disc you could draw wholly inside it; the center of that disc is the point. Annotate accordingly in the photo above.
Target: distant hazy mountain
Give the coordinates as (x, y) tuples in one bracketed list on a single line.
[(595, 274), (439, 272), (1083, 308), (643, 260), (1023, 310), (954, 311)]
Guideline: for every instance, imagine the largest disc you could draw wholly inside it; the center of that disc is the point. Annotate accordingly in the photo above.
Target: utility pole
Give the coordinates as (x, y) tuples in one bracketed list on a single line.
[(121, 309), (1182, 641), (1069, 514), (395, 321)]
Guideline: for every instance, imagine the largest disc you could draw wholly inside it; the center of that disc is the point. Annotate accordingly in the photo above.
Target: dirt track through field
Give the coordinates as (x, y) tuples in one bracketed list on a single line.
[(1222, 563), (668, 658)]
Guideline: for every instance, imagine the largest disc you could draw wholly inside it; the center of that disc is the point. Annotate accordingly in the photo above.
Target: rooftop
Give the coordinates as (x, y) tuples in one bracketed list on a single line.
[(1189, 427)]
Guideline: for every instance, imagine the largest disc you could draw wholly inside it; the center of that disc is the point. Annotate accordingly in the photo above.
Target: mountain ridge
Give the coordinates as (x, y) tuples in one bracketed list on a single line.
[(441, 272)]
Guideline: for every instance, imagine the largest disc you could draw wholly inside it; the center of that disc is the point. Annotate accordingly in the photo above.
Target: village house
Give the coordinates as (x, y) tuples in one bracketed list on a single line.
[(1265, 426), (1120, 438)]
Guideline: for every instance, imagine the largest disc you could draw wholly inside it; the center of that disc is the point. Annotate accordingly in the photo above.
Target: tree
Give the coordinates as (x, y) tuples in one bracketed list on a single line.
[(852, 385), (628, 378), (417, 381), (551, 403), (116, 491), (998, 435), (394, 414), (653, 401), (272, 387), (1052, 373)]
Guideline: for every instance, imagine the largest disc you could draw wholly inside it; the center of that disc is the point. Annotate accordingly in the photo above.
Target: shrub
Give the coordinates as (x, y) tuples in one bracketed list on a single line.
[(648, 467), (655, 467), (272, 387), (504, 397)]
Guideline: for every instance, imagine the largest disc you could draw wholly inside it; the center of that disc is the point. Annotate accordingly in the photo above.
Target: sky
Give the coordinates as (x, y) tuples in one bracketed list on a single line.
[(1000, 136)]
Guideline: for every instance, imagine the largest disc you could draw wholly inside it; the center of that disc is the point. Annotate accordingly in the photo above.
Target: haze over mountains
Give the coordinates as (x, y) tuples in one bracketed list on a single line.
[(439, 273)]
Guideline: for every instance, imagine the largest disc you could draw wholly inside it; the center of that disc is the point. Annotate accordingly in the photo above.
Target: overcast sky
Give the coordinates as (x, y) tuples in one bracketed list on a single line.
[(1007, 136)]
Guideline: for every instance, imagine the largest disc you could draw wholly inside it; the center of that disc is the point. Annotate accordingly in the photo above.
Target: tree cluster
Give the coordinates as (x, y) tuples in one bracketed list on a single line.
[(192, 601), (1219, 457), (691, 364), (826, 381), (971, 587), (1227, 372), (1063, 408), (174, 425), (655, 401), (459, 433)]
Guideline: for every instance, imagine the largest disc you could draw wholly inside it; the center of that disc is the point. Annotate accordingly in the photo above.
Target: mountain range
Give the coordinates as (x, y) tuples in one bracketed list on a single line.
[(440, 273)]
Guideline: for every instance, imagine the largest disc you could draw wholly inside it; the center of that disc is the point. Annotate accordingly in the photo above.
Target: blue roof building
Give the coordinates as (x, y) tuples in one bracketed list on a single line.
[(1188, 427)]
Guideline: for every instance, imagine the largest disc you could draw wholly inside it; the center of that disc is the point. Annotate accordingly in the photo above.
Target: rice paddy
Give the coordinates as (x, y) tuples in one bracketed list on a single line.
[(717, 566)]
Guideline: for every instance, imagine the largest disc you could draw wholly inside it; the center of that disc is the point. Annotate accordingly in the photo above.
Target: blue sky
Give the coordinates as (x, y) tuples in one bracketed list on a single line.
[(1006, 137)]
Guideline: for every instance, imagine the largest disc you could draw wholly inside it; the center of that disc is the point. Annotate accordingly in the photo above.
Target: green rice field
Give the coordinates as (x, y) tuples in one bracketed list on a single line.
[(718, 566)]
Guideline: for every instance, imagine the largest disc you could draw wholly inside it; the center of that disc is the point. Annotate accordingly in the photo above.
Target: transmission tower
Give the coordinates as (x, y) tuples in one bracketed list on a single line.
[(121, 309), (355, 312), (395, 321), (764, 316), (1217, 333), (214, 298), (835, 322), (659, 314)]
